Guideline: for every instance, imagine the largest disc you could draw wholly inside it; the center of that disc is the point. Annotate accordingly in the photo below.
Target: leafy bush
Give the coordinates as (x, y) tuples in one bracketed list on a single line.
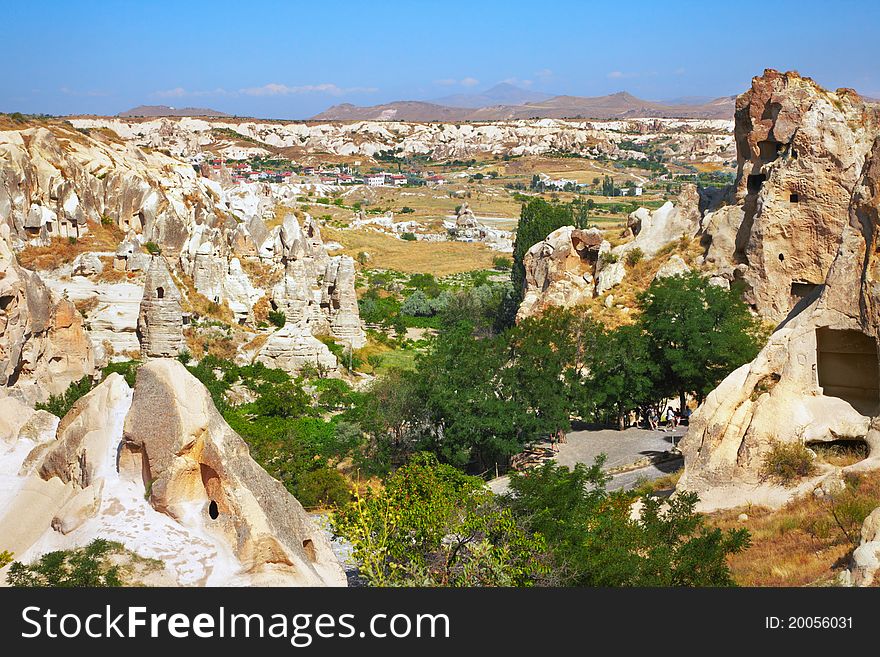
[(60, 404), (608, 258), (787, 462), (152, 248), (277, 318), (409, 237), (634, 257), (502, 263), (89, 566), (127, 368), (323, 487), (406, 210)]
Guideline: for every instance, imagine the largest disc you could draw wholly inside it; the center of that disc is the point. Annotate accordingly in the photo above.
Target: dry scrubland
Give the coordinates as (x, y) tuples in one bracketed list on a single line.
[(387, 252)]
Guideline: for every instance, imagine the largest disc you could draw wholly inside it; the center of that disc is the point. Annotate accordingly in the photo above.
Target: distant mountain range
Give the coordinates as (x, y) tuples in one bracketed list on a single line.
[(165, 110), (503, 93), (506, 101)]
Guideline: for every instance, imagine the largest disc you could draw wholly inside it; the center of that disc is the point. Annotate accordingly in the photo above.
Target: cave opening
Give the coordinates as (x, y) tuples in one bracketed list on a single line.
[(309, 547), (160, 292), (848, 367), (213, 510), (768, 150), (754, 182), (841, 452), (794, 198), (802, 289)]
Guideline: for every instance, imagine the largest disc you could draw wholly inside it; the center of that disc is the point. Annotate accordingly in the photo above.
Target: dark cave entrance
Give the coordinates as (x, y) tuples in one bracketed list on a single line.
[(849, 368)]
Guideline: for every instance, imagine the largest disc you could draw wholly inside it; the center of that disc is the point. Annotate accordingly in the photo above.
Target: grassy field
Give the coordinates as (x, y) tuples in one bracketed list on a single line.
[(438, 258)]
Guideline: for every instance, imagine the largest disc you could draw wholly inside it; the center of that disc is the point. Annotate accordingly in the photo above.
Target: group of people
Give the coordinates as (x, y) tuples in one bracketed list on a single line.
[(670, 418), (555, 438)]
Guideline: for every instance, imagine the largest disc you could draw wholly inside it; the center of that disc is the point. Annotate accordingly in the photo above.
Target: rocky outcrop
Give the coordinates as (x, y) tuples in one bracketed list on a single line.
[(160, 320), (817, 379), (158, 470), (43, 347), (697, 140), (561, 270), (652, 230), (316, 295), (55, 180), (800, 151)]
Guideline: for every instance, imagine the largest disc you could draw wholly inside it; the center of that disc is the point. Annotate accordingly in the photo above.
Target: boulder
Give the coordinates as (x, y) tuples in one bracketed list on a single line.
[(675, 266), (87, 264), (560, 270), (158, 470), (800, 151)]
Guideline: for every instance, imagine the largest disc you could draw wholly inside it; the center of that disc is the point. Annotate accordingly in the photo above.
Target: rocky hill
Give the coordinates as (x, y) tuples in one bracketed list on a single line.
[(620, 105), (165, 110)]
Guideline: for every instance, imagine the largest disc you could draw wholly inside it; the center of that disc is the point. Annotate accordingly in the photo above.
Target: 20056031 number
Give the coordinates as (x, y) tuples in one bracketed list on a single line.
[(819, 622)]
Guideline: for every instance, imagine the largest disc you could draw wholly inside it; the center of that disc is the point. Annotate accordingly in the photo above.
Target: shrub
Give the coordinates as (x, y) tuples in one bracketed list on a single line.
[(409, 237), (502, 262), (787, 462), (127, 368), (277, 318), (608, 258), (152, 248), (88, 566), (184, 357), (60, 404), (323, 487), (406, 210), (634, 257)]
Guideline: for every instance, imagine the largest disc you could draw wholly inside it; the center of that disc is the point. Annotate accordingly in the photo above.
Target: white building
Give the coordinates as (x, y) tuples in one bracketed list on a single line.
[(374, 179)]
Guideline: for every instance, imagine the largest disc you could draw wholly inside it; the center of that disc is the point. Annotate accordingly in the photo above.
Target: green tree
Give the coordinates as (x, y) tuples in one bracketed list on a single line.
[(621, 373), (593, 541), (697, 333), (431, 525)]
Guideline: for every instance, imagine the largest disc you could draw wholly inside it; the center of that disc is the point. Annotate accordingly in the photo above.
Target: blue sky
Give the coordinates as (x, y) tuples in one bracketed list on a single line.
[(293, 59)]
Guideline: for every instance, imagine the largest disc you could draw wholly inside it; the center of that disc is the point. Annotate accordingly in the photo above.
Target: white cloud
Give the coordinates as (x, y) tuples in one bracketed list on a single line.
[(619, 75), (464, 82), (180, 92), (516, 82), (67, 91), (470, 82), (544, 74), (276, 89)]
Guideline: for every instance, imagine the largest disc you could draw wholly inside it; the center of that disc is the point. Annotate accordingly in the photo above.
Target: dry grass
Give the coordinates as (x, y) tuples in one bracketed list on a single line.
[(256, 343), (801, 544), (199, 304), (61, 250), (87, 305), (638, 278), (438, 258), (261, 275)]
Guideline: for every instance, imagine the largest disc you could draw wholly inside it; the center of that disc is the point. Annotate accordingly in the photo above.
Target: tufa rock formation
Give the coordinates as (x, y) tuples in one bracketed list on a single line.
[(800, 152), (817, 379), (43, 347), (159, 470), (160, 320), (561, 269)]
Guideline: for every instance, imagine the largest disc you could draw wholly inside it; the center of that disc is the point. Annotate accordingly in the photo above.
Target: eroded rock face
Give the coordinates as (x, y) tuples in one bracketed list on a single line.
[(800, 151), (817, 380), (158, 470), (670, 222), (55, 180), (316, 295), (561, 270), (43, 347), (200, 467), (160, 320)]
